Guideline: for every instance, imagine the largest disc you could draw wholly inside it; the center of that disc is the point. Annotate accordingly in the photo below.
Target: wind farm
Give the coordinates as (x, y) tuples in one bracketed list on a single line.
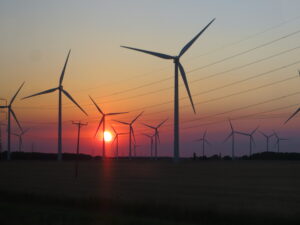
[(211, 139)]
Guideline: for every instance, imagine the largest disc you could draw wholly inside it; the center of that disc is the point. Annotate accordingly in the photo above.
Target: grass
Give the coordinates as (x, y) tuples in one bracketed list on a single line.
[(150, 192)]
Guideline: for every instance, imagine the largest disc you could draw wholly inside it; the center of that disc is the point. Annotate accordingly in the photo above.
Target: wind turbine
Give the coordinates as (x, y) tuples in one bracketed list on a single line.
[(20, 135), (131, 132), (11, 112), (156, 135), (204, 141), (251, 139), (61, 91), (278, 141), (116, 139), (267, 138), (232, 135), (151, 143), (176, 60), (103, 123), (135, 146)]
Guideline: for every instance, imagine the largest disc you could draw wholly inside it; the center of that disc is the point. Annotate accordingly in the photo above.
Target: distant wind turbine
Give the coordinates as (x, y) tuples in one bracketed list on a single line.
[(156, 135), (11, 112), (267, 138), (135, 146), (60, 91), (103, 123), (176, 60), (116, 139), (204, 141), (232, 135), (278, 139), (131, 132), (151, 143), (20, 137), (251, 139)]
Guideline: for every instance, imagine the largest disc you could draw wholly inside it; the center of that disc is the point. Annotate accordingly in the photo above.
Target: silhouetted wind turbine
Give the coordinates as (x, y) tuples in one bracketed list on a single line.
[(176, 60), (60, 91), (131, 132), (135, 146), (251, 139), (116, 139), (267, 139), (11, 112), (103, 123), (151, 143), (232, 135), (20, 137), (278, 141), (156, 135), (204, 141)]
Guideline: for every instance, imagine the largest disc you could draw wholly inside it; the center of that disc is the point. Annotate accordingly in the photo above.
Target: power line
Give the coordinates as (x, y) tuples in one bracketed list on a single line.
[(212, 51), (234, 94), (207, 77), (226, 85), (207, 65)]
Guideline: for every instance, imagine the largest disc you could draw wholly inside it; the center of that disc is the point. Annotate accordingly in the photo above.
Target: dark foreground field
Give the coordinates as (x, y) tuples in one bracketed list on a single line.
[(148, 192)]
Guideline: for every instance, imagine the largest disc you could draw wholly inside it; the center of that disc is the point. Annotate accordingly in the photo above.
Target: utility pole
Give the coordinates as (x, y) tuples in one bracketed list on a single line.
[(79, 125)]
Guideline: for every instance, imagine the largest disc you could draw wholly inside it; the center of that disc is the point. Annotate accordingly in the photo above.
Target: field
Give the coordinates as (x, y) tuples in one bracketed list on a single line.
[(150, 192)]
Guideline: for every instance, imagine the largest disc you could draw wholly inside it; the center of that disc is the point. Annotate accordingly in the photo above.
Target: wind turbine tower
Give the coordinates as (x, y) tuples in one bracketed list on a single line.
[(11, 112), (61, 91), (177, 66)]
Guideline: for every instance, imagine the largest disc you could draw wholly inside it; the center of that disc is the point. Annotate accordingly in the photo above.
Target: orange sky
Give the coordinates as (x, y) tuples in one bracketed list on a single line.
[(257, 40)]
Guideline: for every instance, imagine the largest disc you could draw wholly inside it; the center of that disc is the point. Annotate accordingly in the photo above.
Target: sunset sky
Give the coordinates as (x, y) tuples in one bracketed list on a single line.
[(244, 67)]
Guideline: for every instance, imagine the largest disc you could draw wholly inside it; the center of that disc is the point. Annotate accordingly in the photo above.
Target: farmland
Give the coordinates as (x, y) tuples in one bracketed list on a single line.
[(147, 192)]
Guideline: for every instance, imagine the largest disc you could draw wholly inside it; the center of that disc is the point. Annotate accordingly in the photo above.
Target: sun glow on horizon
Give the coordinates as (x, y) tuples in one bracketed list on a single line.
[(107, 136)]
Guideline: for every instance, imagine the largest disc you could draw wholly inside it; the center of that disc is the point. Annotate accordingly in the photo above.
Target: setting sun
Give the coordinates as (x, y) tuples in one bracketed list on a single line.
[(107, 136)]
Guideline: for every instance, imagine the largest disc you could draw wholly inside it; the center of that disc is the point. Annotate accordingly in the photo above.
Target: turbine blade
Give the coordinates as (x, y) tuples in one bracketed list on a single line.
[(231, 125), (158, 137), (3, 106), (200, 139), (207, 142), (189, 44), (121, 122), (204, 135), (96, 105), (254, 130), (133, 135), (294, 114), (241, 133), (159, 125), (160, 55), (42, 93), (13, 98), (70, 97), (186, 85), (113, 129), (263, 134), (64, 69), (148, 126), (15, 117), (227, 137), (136, 117), (113, 114), (101, 121), (147, 135)]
